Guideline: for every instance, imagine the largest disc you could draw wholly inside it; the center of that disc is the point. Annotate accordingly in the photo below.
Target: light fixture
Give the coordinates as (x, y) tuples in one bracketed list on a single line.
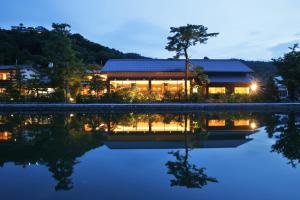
[(253, 125), (253, 87)]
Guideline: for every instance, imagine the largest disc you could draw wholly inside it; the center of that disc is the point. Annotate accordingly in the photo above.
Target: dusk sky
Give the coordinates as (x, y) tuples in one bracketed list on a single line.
[(249, 29)]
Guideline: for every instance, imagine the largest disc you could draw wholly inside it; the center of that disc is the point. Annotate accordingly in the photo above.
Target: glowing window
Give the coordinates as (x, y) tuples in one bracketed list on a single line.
[(241, 122), (2, 90), (216, 90), (216, 122), (5, 135), (3, 76), (241, 90)]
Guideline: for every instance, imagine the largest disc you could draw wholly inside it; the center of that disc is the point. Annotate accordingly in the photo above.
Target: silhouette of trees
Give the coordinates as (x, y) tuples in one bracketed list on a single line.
[(288, 141)]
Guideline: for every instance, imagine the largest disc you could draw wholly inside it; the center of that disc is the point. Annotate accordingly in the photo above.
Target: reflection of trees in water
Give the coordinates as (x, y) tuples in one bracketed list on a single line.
[(271, 122), (56, 144), (186, 174), (288, 140), (62, 171)]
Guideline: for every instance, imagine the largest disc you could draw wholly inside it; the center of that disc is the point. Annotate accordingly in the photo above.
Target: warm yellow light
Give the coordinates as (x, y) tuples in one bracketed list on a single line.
[(241, 122), (216, 122), (253, 87), (71, 99), (253, 125)]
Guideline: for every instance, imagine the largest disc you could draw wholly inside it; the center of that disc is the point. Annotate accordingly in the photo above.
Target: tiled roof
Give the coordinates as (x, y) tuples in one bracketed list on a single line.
[(171, 65), (230, 79), (12, 67), (7, 67)]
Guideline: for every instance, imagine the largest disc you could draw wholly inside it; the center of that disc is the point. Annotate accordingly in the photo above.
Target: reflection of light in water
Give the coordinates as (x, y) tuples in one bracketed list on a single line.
[(253, 125), (241, 122), (71, 115)]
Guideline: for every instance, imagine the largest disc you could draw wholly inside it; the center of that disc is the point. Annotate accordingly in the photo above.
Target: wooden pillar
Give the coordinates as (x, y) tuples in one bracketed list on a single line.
[(150, 86), (108, 86)]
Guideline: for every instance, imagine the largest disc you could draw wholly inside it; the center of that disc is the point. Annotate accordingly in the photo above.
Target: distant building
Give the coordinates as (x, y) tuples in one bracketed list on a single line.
[(28, 72), (24, 29), (160, 75), (282, 89)]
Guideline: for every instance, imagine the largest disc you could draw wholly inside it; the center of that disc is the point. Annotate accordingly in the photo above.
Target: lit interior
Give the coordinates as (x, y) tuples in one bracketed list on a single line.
[(5, 135), (157, 126), (157, 86), (241, 122), (4, 76), (216, 90), (2, 90), (241, 90), (216, 122)]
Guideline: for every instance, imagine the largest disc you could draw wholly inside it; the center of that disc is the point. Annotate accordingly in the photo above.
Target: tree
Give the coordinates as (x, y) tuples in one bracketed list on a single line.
[(97, 84), (200, 78), (68, 70), (288, 141), (34, 84), (271, 91), (184, 37), (18, 83), (289, 68), (185, 173)]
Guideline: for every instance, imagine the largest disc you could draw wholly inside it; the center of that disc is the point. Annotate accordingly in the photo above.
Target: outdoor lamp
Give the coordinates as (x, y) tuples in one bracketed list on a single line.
[(253, 87)]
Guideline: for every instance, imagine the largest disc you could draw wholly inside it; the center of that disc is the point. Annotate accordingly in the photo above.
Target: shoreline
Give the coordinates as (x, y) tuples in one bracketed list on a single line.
[(150, 107)]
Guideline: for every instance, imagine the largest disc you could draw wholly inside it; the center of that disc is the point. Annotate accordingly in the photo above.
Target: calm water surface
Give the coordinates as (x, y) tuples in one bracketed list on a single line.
[(150, 156)]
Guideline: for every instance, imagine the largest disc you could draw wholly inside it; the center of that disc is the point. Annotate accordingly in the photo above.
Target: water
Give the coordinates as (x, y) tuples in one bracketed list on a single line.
[(150, 156)]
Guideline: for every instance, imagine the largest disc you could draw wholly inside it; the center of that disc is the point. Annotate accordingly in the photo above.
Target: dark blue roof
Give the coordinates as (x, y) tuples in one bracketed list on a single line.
[(169, 65), (7, 67), (230, 79), (12, 67)]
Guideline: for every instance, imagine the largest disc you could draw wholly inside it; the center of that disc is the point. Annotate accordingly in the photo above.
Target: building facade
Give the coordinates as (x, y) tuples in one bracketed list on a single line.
[(166, 75)]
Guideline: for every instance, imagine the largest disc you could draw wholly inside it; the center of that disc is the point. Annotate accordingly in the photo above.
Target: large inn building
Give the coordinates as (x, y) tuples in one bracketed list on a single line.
[(160, 75)]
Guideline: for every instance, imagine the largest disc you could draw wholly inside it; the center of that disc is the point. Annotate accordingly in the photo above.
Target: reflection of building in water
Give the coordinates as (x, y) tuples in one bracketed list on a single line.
[(5, 135), (138, 130), (179, 131)]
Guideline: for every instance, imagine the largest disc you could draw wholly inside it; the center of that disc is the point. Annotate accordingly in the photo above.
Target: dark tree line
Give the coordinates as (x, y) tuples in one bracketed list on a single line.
[(30, 47)]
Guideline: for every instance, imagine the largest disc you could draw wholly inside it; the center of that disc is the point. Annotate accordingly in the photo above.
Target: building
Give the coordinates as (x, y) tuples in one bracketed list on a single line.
[(156, 131), (27, 71), (161, 75), (282, 89)]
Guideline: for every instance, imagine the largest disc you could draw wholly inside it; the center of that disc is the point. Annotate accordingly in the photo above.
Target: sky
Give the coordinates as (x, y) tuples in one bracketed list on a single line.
[(249, 29)]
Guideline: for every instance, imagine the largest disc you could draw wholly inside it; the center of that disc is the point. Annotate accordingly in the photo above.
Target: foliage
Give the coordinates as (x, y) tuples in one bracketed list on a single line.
[(96, 84), (186, 174), (288, 141), (183, 38), (29, 47), (271, 92), (289, 68)]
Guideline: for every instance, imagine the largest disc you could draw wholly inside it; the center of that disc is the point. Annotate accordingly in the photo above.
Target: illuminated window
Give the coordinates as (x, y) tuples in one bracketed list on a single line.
[(2, 90), (88, 128), (241, 122), (3, 76), (5, 135), (216, 122), (241, 90), (216, 90)]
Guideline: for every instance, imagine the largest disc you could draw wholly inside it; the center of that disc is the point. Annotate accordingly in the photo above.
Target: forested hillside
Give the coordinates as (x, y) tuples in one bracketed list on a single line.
[(29, 45)]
